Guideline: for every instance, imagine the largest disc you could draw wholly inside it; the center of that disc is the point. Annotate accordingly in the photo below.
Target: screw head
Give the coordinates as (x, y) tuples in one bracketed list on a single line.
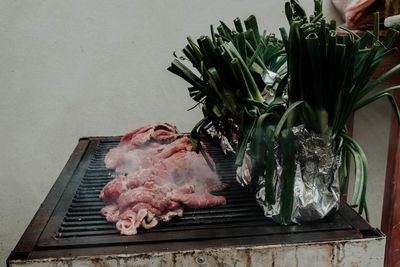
[(201, 260)]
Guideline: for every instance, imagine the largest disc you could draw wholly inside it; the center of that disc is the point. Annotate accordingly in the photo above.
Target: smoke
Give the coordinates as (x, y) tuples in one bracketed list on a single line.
[(156, 173), (126, 160), (154, 161)]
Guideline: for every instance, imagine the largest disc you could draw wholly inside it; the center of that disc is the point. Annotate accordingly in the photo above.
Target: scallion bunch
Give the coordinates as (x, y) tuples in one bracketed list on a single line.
[(228, 84), (324, 75), (328, 81)]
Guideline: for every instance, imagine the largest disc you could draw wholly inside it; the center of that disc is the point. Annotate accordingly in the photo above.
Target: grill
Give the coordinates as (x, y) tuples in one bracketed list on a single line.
[(83, 219), (68, 224)]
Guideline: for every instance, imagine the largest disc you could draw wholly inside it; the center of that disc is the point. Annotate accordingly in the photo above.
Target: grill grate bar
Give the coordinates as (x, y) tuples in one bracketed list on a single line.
[(100, 204), (98, 207), (81, 217), (178, 226), (94, 211), (96, 225), (76, 221), (83, 223)]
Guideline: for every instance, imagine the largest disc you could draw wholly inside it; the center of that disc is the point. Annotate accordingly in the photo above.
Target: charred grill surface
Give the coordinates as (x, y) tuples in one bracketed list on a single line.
[(69, 222)]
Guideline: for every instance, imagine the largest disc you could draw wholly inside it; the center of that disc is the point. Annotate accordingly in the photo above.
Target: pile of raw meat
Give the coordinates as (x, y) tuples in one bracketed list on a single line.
[(357, 13), (158, 174)]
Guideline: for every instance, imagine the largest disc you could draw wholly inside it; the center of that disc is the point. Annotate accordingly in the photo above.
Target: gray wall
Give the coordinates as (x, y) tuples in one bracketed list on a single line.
[(83, 68)]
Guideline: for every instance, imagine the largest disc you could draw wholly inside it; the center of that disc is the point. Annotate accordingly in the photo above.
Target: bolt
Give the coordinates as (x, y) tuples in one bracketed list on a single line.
[(201, 260)]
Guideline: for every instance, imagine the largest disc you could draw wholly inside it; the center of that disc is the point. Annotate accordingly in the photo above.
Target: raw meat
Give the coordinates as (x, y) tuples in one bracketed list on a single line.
[(147, 206), (111, 212), (167, 216), (126, 224), (158, 173), (357, 13), (141, 136), (120, 184), (199, 200)]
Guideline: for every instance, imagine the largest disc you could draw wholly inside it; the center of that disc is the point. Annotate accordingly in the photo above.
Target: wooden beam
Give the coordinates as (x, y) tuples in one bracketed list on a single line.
[(391, 203), (392, 7)]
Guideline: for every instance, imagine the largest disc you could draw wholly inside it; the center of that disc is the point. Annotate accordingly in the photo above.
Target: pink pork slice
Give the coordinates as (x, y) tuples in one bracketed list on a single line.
[(161, 179), (126, 223), (199, 200), (111, 212)]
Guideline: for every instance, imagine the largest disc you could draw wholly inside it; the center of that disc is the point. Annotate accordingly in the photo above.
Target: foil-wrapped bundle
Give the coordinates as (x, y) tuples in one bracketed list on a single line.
[(243, 173), (271, 80), (316, 182), (226, 137), (226, 147)]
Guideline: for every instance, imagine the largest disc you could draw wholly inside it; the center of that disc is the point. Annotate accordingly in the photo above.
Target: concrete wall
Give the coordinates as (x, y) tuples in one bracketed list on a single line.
[(81, 68)]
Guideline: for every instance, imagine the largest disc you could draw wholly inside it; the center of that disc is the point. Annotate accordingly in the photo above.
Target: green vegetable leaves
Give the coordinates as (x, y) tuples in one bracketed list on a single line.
[(288, 148), (324, 81)]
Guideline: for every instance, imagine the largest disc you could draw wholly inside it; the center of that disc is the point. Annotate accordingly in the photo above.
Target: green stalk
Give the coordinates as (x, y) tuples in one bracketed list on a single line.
[(255, 56), (288, 147), (391, 37), (241, 45), (264, 156), (330, 79), (196, 49), (238, 25), (323, 119), (343, 171), (315, 59), (378, 95), (251, 24), (376, 27), (251, 38), (364, 171), (270, 163), (384, 76), (243, 146), (245, 91), (248, 77)]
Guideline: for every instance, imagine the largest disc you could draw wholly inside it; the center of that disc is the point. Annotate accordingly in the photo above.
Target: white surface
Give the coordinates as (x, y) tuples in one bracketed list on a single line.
[(79, 68), (349, 253), (392, 21)]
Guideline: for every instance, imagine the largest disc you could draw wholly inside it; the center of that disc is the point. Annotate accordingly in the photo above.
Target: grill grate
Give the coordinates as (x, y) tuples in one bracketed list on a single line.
[(84, 219), (69, 222), (77, 220)]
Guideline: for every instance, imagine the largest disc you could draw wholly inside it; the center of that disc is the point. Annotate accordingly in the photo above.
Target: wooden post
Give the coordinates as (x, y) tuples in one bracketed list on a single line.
[(391, 202), (390, 224), (392, 7)]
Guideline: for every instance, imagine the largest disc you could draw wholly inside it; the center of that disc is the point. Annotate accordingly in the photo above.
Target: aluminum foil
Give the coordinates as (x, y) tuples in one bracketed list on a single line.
[(219, 132), (269, 77), (243, 173), (316, 187), (221, 139), (271, 80)]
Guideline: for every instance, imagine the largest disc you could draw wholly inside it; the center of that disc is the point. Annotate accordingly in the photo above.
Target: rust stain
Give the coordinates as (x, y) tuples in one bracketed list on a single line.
[(248, 257), (364, 246), (100, 263), (173, 259), (334, 253), (273, 258)]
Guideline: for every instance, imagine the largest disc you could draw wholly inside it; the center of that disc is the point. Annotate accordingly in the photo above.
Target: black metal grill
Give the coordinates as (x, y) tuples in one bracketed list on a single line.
[(69, 222), (83, 217)]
